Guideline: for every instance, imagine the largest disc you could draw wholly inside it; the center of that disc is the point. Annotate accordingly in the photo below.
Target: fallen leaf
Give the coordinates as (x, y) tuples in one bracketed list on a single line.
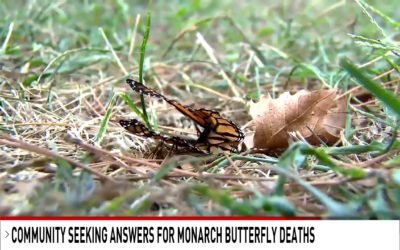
[(316, 115)]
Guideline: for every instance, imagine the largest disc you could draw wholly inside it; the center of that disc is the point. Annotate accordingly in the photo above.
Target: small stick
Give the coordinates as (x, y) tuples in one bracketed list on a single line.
[(101, 152), (11, 141)]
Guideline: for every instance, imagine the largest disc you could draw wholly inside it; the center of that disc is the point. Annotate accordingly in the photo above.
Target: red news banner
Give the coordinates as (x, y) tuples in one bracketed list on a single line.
[(200, 234)]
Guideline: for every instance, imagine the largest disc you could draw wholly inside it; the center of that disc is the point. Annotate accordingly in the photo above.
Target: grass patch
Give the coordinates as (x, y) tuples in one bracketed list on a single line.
[(62, 88)]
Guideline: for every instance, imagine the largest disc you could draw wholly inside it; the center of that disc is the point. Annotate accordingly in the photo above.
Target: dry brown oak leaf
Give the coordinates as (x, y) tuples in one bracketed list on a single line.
[(317, 115)]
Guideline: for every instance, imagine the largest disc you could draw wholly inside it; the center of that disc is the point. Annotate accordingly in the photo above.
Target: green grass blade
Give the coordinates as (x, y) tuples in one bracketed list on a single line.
[(386, 97), (163, 171), (374, 146), (380, 13), (141, 65), (291, 158), (104, 123), (393, 64), (225, 199), (132, 105)]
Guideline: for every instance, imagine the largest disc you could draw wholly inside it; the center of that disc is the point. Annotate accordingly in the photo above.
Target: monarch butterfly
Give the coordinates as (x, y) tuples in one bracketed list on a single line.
[(217, 131), (136, 127)]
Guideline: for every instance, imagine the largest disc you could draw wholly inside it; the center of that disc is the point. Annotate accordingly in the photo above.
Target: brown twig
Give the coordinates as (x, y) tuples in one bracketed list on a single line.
[(106, 154), (117, 159), (11, 141)]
